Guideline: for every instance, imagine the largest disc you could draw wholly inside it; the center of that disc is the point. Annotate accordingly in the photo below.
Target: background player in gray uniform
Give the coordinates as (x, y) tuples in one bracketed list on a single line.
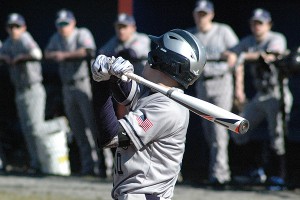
[(2, 155), (69, 46), (151, 137), (128, 43), (215, 85), (266, 103), (22, 54)]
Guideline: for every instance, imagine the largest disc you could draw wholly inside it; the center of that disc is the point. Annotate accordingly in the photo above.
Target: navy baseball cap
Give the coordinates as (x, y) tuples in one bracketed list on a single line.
[(261, 15), (125, 19), (204, 6), (64, 17), (15, 18)]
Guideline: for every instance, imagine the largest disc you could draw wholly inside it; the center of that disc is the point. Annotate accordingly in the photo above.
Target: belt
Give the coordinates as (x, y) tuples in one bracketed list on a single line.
[(206, 78), (72, 82), (145, 197)]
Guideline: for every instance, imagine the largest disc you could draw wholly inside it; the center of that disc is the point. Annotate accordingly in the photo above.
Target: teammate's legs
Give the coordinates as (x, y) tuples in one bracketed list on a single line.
[(26, 107), (217, 136), (254, 112), (78, 128), (276, 159), (40, 125), (86, 107)]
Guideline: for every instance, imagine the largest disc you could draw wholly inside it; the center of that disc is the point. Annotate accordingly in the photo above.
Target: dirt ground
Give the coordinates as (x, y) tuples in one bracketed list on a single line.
[(20, 187)]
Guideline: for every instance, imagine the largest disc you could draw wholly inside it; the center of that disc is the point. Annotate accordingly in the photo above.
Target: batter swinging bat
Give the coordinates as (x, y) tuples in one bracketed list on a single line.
[(202, 108)]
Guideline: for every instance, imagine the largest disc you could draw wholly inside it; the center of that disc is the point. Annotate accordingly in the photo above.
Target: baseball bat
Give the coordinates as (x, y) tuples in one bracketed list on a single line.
[(202, 108)]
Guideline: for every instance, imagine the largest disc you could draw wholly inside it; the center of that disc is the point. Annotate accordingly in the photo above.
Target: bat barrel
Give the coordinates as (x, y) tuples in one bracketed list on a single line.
[(244, 126)]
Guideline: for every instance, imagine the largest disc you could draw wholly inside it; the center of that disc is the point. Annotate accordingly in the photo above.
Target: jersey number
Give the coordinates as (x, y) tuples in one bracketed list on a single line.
[(118, 168)]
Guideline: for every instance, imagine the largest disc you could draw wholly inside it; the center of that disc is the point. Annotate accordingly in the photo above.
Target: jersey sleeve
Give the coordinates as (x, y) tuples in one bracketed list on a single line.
[(141, 46), (149, 123), (86, 39), (277, 44), (240, 47), (31, 46), (230, 38)]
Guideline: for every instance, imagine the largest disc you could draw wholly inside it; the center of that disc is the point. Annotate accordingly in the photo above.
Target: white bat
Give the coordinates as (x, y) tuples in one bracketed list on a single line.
[(202, 108)]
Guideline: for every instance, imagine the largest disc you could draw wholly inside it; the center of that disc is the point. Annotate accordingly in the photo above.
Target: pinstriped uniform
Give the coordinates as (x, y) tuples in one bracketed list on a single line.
[(266, 102), (215, 85), (77, 94), (150, 165), (30, 94)]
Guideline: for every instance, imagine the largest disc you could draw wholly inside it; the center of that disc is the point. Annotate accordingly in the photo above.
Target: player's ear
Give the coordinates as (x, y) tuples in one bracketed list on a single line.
[(271, 24), (73, 22), (212, 15)]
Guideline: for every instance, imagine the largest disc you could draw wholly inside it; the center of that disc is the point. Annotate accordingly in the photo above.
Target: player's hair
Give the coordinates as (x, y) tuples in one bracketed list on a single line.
[(179, 54)]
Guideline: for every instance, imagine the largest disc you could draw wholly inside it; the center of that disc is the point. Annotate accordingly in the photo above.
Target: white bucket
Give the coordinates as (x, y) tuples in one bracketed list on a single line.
[(53, 153)]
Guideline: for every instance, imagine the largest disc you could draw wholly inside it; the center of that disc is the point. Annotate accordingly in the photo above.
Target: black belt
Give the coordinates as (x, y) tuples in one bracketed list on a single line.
[(150, 197), (72, 82), (206, 78)]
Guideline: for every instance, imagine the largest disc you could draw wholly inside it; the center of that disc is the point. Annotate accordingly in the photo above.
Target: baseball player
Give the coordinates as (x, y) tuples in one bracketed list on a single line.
[(150, 139), (2, 159), (128, 43), (215, 85), (22, 54), (266, 102), (69, 46)]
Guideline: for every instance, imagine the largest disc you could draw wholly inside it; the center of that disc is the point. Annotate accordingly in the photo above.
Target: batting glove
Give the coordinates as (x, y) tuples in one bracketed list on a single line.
[(101, 68), (120, 67)]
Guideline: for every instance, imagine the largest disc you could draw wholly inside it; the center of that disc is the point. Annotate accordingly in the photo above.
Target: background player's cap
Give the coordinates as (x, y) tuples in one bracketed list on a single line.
[(64, 17), (15, 18), (261, 15), (204, 6), (125, 19)]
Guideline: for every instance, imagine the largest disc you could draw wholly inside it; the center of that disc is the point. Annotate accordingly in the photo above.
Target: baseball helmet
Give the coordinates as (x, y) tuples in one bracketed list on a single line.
[(178, 54)]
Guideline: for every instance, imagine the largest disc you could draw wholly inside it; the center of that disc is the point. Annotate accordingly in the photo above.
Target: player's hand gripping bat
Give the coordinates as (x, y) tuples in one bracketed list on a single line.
[(202, 108)]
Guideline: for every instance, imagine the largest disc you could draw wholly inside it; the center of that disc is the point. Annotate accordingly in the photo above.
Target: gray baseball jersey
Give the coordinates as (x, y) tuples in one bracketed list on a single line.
[(139, 43), (157, 127), (215, 85), (80, 38), (274, 42), (218, 39), (26, 73)]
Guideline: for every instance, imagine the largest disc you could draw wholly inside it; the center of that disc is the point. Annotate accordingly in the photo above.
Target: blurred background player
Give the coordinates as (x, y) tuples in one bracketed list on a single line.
[(128, 43), (22, 55), (2, 154), (150, 141), (69, 46), (259, 51), (215, 85)]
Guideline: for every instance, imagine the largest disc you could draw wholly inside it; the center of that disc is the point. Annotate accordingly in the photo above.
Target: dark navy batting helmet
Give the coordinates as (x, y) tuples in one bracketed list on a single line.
[(178, 54)]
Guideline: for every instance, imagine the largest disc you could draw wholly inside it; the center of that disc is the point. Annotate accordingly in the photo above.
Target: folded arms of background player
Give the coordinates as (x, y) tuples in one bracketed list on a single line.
[(31, 52), (112, 132)]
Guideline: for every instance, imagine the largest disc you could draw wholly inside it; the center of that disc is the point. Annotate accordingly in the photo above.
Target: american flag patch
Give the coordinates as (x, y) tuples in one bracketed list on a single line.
[(145, 123)]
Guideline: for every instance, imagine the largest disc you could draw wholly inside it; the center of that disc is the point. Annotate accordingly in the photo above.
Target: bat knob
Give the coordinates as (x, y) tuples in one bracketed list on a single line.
[(244, 127)]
